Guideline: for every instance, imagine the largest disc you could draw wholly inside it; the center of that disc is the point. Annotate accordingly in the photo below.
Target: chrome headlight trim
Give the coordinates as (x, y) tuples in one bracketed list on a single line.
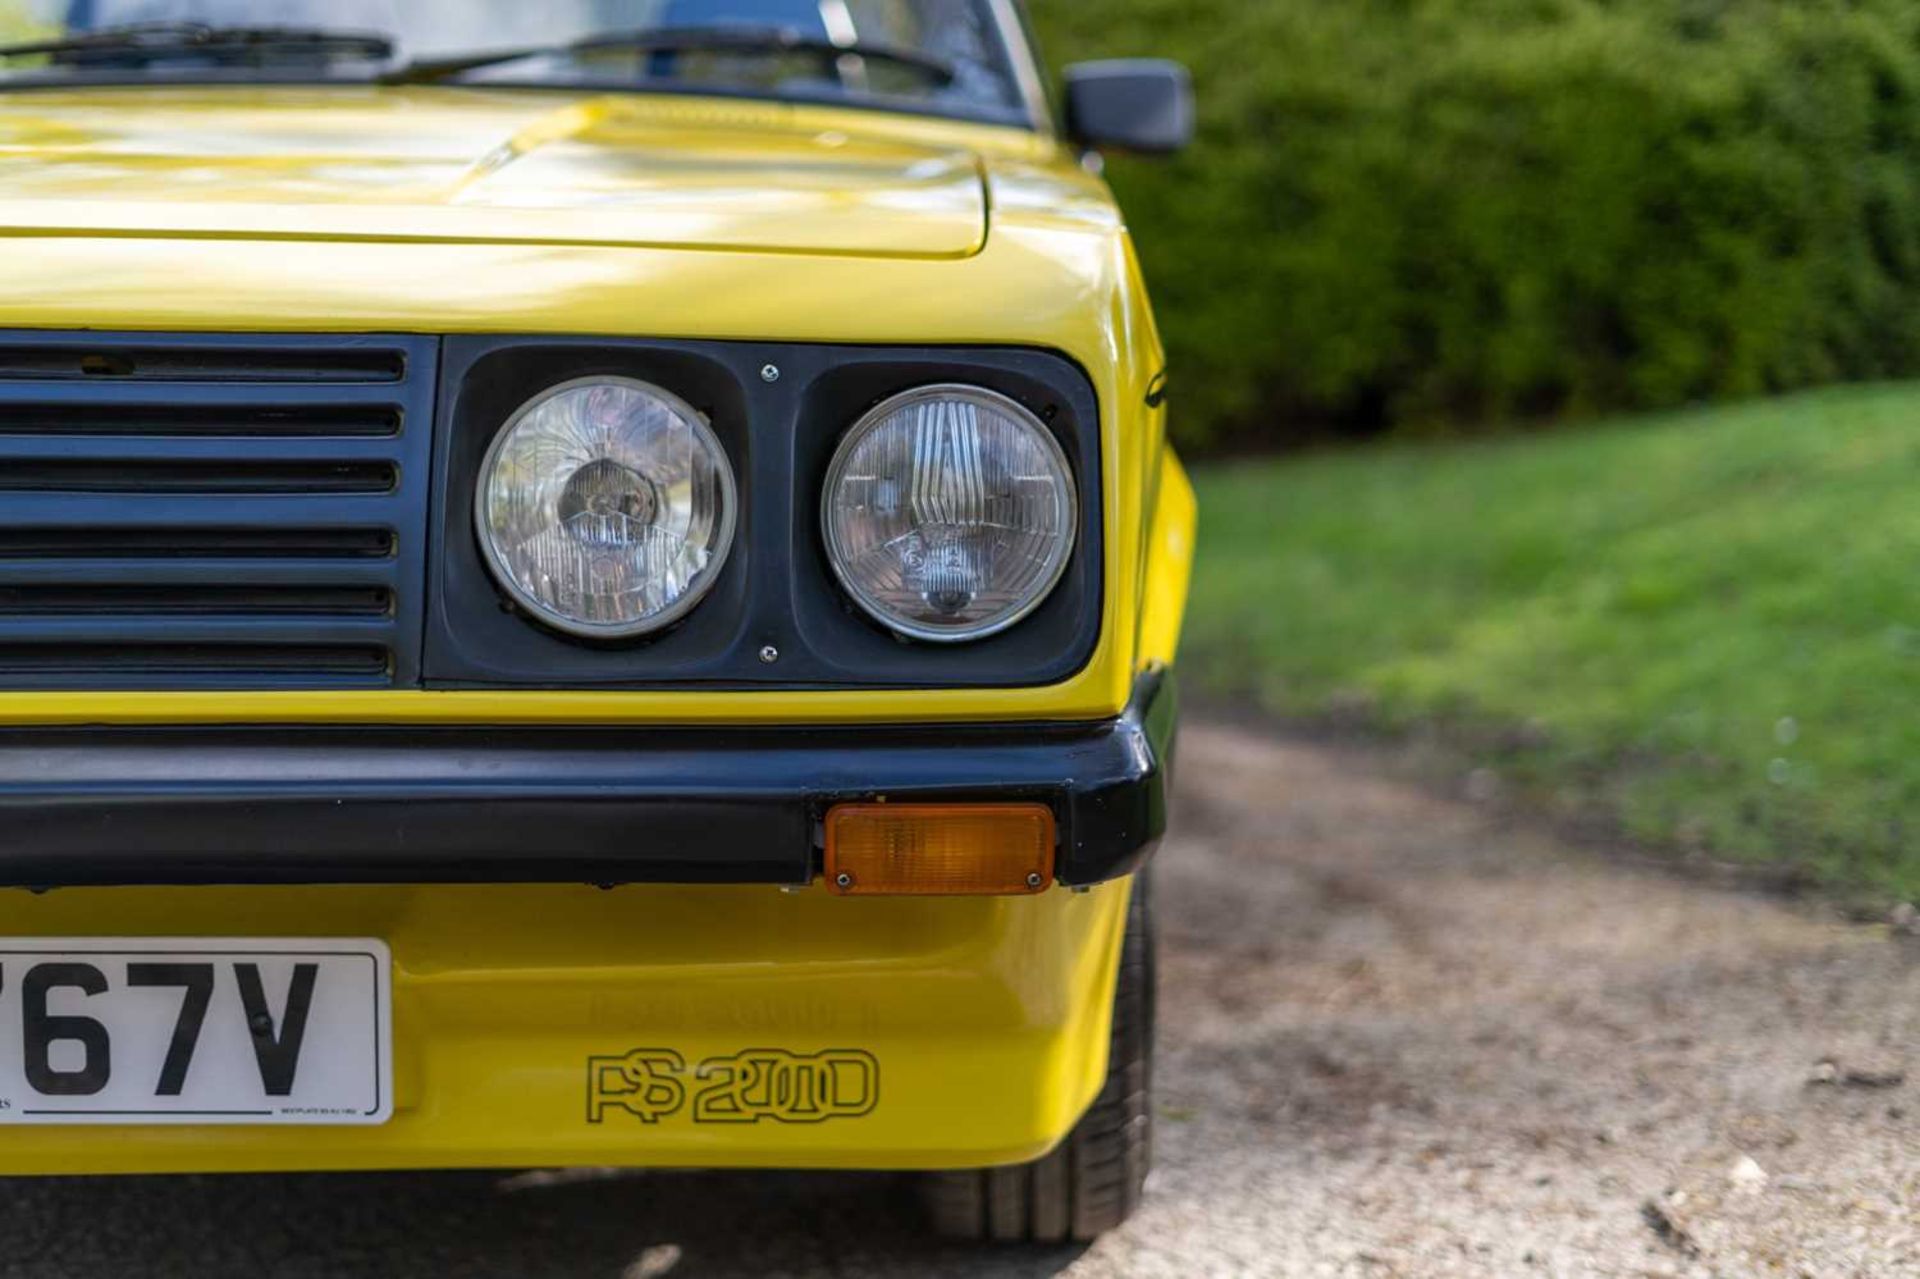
[(1068, 492), (724, 537)]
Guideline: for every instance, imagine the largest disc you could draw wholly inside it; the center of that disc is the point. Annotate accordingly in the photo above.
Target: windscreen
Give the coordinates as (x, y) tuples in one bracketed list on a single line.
[(950, 55)]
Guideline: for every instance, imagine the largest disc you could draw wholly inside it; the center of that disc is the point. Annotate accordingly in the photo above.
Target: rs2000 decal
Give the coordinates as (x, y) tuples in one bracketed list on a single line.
[(652, 1084)]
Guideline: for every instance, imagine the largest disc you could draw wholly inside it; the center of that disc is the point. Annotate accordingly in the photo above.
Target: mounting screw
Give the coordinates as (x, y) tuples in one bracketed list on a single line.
[(1034, 880), (843, 880), (769, 372), (769, 654)]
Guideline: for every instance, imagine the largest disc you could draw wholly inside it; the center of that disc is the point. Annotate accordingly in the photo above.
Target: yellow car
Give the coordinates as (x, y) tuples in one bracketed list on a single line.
[(583, 583)]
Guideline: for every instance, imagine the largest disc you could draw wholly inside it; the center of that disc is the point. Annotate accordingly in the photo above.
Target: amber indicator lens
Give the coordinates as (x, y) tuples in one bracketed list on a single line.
[(939, 850)]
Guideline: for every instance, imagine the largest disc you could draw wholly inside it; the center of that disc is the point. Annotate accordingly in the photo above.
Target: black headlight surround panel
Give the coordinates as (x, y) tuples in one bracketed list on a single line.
[(777, 590), (1051, 643)]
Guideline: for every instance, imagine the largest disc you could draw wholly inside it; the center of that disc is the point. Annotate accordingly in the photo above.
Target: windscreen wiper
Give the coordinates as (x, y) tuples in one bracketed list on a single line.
[(671, 40), (155, 41)]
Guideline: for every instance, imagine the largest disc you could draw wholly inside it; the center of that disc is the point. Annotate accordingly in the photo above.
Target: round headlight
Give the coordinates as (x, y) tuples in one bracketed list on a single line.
[(606, 507), (949, 513)]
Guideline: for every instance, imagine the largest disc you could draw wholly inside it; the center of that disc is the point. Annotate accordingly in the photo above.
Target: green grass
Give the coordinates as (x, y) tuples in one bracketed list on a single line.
[(1706, 622)]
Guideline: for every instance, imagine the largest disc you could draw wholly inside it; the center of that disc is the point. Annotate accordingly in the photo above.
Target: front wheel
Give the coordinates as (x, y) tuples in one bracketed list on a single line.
[(1092, 1181)]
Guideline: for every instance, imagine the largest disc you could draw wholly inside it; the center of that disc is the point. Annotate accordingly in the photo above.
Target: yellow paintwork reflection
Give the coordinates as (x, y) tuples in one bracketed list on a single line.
[(1169, 563), (293, 175), (435, 166), (987, 1017)]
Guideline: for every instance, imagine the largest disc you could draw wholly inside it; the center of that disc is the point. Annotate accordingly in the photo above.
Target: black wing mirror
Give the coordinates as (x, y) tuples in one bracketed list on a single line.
[(1132, 104)]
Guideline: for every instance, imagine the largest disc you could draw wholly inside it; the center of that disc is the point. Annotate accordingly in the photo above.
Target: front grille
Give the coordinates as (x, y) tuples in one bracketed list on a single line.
[(208, 512)]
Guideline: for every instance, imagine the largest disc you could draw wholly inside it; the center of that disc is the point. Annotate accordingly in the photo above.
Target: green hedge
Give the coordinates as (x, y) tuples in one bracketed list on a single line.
[(1445, 213), (17, 24)]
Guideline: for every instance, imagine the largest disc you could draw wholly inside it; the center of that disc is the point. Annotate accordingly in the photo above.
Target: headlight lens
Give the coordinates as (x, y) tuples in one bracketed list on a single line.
[(606, 507), (949, 513)]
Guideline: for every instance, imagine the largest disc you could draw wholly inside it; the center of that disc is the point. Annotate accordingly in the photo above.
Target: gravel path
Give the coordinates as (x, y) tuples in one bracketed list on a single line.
[(1400, 1037)]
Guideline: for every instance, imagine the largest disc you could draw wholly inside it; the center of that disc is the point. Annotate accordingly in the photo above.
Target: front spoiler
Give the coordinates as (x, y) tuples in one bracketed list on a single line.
[(315, 805), (969, 1031)]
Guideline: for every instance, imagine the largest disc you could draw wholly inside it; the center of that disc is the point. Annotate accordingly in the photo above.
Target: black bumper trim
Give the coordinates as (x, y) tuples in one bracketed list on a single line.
[(311, 805)]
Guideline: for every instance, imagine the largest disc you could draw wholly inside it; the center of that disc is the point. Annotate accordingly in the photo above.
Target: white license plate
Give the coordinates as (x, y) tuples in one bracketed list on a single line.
[(195, 1031)]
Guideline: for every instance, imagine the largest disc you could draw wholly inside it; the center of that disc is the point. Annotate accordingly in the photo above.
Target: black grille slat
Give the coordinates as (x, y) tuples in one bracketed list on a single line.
[(118, 659), (131, 361), (212, 512), (192, 475), (282, 421), (189, 599), (160, 542)]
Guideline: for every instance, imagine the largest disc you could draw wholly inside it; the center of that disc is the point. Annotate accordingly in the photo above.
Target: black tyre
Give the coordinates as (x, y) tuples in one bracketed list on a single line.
[(1092, 1180)]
